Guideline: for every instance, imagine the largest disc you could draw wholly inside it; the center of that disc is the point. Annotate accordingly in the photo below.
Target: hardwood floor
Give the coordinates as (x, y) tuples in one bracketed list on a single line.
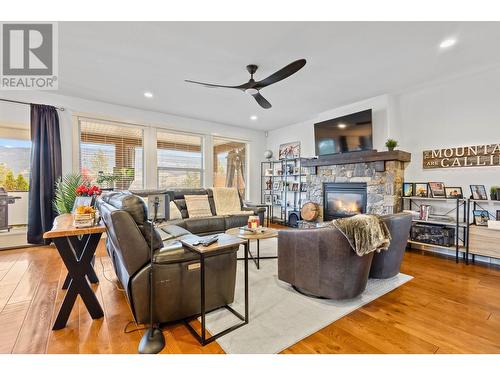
[(446, 308)]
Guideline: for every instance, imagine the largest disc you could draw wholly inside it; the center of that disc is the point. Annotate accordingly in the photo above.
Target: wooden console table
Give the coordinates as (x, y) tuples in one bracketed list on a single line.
[(77, 247)]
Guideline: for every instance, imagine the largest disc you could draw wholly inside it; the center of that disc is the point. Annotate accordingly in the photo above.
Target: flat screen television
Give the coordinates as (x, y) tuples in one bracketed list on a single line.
[(344, 134)]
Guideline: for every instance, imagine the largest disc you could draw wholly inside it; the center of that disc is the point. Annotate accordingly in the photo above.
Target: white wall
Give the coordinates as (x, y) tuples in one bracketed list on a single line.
[(461, 112), (304, 131), (76, 106)]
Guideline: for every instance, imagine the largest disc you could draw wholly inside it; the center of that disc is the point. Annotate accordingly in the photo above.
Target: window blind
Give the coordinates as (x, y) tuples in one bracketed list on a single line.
[(180, 160), (111, 154)]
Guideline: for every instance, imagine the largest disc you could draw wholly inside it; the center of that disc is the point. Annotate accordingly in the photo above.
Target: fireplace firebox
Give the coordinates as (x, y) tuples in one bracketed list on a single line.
[(343, 199)]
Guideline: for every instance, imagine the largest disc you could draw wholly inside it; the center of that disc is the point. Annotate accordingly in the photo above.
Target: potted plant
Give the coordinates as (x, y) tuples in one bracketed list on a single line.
[(66, 192), (106, 182), (391, 144), (495, 193)]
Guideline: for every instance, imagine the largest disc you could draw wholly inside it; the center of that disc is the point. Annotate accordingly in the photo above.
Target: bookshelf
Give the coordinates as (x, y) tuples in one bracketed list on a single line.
[(454, 213), (283, 187), (470, 239)]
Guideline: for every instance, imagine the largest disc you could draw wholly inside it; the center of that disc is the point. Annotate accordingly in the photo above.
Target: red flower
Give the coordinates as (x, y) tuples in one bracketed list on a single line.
[(85, 191)]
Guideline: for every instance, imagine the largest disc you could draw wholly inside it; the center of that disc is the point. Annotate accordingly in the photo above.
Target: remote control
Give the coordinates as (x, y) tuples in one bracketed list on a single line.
[(209, 241)]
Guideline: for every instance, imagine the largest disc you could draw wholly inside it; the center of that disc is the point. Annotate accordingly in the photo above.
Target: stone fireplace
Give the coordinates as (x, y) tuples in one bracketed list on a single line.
[(381, 179), (343, 199)]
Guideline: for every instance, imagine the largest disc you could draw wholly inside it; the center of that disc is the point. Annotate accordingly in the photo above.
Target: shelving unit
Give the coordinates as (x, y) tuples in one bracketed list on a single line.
[(284, 199), (475, 240), (451, 218)]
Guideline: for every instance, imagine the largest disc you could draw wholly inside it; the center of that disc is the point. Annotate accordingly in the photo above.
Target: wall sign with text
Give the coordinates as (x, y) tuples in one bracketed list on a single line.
[(466, 156)]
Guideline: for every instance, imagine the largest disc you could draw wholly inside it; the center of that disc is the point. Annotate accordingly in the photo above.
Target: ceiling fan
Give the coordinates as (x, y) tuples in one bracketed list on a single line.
[(253, 87)]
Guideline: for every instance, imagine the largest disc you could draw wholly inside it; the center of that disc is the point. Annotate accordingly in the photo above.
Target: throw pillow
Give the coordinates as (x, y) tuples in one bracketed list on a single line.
[(197, 205)]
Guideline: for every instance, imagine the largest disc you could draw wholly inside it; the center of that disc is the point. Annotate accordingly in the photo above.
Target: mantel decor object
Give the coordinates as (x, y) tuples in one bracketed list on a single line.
[(391, 144)]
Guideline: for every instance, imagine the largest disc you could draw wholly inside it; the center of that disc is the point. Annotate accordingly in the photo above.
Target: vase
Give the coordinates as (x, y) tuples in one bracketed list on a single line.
[(390, 148)]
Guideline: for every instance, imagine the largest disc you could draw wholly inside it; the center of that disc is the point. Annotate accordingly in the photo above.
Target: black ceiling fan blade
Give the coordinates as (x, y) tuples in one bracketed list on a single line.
[(262, 101), (211, 85), (281, 74)]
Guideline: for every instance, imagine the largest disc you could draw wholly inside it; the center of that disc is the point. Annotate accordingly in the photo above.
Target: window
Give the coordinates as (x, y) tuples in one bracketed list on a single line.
[(111, 154), (180, 160), (229, 164), (15, 150)]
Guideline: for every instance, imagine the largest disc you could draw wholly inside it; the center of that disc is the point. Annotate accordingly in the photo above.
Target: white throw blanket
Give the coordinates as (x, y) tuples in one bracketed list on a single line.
[(227, 202)]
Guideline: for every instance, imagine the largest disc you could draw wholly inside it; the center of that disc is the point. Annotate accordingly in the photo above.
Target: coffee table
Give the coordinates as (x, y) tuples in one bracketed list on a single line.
[(267, 233)]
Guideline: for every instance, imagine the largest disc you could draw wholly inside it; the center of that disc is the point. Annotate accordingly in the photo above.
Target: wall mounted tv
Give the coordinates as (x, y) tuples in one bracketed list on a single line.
[(344, 134)]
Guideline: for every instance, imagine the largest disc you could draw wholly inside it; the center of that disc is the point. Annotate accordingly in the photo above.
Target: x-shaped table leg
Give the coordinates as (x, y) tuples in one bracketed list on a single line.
[(79, 244), (78, 267)]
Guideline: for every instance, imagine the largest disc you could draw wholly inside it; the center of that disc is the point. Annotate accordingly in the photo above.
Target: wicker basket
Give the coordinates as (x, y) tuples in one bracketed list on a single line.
[(83, 220)]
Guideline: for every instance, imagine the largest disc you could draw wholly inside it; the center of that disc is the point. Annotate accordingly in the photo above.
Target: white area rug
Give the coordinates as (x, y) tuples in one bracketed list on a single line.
[(279, 316)]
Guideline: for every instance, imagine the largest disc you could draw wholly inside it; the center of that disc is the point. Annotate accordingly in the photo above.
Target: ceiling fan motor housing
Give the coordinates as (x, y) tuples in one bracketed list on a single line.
[(252, 68)]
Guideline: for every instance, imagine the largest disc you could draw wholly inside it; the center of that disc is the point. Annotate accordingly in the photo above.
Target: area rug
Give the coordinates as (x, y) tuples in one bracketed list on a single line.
[(279, 316)]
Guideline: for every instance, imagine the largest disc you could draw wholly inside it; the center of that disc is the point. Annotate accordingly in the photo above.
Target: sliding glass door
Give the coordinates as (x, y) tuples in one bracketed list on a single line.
[(229, 164)]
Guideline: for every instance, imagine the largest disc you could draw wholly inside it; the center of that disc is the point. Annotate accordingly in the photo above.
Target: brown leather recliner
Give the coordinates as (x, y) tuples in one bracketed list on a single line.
[(386, 264), (321, 263), (177, 281)]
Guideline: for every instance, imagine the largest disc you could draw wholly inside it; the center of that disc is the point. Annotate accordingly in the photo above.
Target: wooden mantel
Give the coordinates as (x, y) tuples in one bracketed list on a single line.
[(360, 157)]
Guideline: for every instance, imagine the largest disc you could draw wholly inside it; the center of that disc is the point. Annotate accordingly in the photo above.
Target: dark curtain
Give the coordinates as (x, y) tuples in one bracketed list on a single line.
[(45, 170)]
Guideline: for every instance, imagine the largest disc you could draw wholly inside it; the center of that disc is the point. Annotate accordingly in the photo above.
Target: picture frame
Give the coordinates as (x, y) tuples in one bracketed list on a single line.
[(276, 199), (479, 192), (269, 184), (268, 199), (453, 192), (437, 189), (481, 217), (268, 172), (276, 185), (408, 189), (289, 150), (421, 189), (82, 201), (303, 187)]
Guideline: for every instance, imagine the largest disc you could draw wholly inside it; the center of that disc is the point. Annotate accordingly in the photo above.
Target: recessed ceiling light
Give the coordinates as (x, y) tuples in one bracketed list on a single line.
[(253, 118), (342, 126), (447, 43), (148, 94)]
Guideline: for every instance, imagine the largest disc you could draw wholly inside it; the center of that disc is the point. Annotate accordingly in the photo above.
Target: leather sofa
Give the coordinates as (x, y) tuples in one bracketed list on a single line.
[(320, 262), (205, 225), (177, 277)]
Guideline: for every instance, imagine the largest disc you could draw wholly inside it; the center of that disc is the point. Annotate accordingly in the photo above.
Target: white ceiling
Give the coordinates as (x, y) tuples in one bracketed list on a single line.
[(117, 62)]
